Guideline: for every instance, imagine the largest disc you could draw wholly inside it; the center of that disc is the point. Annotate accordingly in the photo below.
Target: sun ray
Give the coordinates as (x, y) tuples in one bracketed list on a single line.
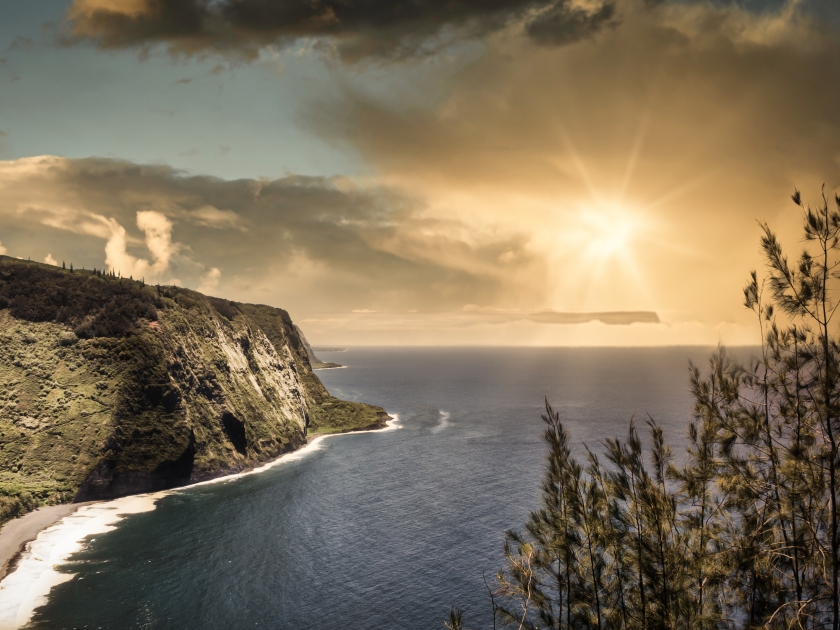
[(678, 191), (579, 165), (635, 152)]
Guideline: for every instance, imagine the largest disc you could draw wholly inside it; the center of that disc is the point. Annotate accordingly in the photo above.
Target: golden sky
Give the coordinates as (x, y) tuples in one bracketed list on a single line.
[(567, 172)]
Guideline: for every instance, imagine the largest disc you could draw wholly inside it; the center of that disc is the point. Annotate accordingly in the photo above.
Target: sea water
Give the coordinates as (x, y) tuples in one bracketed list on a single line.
[(376, 530)]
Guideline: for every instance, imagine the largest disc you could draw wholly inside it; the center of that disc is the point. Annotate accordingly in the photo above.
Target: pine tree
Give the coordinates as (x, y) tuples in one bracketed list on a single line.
[(745, 533)]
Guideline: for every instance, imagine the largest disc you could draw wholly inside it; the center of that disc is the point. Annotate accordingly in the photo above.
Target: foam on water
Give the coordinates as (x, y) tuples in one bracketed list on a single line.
[(23, 590), (444, 421), (314, 445), (28, 587)]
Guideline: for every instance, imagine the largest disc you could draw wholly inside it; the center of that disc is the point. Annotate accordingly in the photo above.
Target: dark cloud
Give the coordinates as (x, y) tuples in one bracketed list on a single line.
[(564, 24), (339, 245), (394, 28)]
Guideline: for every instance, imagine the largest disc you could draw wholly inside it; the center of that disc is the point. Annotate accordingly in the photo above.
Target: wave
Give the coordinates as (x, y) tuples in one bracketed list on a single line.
[(29, 586), (444, 421)]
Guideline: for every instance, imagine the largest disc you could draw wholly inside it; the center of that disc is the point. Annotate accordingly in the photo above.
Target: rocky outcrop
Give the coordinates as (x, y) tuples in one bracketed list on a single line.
[(195, 388)]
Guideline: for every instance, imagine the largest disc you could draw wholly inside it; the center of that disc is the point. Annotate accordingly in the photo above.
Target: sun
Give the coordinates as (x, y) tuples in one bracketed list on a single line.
[(608, 231)]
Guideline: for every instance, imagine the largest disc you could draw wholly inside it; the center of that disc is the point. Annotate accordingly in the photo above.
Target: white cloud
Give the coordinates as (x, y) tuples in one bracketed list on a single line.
[(116, 257), (50, 260), (3, 250), (158, 230), (210, 280)]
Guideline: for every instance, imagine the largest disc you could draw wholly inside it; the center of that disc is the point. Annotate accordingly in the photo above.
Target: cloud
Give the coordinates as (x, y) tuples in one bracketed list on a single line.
[(126, 8), (635, 163), (158, 237), (210, 281), (213, 217), (299, 242), (563, 23), (158, 230), (3, 250), (50, 260), (395, 28)]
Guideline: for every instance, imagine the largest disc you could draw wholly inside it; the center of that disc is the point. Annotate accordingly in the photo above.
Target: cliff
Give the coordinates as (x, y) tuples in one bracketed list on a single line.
[(109, 387), (314, 361)]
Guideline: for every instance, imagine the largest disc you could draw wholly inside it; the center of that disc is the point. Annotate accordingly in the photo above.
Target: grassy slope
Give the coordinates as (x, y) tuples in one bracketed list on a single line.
[(208, 388)]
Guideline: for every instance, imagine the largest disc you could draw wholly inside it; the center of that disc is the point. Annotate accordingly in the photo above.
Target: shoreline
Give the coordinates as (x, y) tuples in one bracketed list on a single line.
[(18, 535)]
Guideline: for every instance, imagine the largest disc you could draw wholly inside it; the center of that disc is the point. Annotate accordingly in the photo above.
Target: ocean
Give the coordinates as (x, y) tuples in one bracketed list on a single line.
[(381, 530)]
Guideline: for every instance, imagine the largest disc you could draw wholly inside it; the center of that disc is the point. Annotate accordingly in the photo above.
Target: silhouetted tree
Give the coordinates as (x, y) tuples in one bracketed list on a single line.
[(745, 533)]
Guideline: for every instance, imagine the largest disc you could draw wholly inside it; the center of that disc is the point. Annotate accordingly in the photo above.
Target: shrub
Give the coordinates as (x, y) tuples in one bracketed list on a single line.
[(93, 305)]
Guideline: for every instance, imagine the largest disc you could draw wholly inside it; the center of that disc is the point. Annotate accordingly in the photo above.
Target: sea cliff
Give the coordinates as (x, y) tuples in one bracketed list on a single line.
[(109, 386)]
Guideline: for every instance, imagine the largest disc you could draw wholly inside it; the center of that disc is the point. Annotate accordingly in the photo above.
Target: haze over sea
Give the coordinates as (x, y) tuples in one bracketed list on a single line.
[(376, 530)]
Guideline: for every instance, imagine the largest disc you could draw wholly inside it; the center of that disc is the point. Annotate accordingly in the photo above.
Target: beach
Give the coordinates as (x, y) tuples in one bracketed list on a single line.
[(56, 532), (16, 533)]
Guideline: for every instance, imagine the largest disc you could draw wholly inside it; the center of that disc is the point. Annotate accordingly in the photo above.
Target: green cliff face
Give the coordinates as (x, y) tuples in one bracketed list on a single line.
[(108, 387)]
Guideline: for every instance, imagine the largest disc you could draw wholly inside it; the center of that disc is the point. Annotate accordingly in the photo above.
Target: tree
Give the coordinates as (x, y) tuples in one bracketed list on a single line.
[(745, 534)]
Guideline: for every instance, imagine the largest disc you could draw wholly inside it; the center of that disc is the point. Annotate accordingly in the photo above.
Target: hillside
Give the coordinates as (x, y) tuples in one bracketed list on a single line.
[(109, 387)]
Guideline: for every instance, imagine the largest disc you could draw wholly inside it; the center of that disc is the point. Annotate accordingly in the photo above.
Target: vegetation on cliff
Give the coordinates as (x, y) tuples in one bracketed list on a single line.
[(93, 305), (110, 387), (743, 532)]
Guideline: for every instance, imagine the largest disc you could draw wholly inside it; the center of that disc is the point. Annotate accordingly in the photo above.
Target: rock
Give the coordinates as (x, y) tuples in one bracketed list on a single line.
[(68, 338), (29, 338)]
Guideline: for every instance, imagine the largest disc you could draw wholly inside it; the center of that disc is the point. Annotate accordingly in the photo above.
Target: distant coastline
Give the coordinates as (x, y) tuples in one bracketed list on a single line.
[(314, 362)]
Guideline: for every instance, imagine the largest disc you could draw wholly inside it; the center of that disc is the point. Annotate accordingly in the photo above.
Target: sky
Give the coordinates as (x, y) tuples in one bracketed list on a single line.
[(451, 172)]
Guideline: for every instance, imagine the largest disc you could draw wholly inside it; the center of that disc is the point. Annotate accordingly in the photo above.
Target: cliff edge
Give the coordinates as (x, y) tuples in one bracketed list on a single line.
[(111, 387)]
